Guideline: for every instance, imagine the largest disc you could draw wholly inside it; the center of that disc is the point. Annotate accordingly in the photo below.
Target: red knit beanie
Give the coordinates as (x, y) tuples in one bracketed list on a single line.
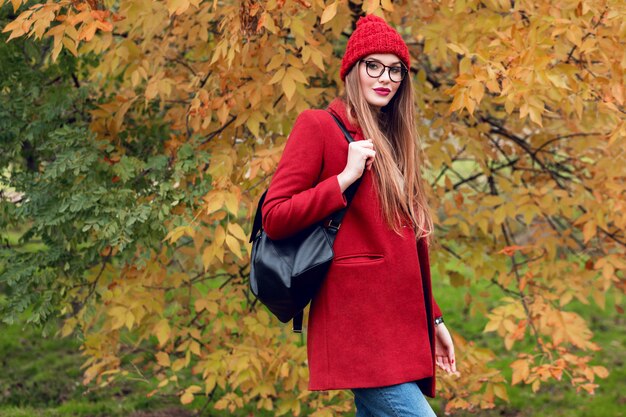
[(373, 35)]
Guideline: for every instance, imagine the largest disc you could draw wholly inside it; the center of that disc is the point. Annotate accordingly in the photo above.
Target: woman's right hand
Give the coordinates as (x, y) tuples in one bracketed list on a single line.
[(361, 155)]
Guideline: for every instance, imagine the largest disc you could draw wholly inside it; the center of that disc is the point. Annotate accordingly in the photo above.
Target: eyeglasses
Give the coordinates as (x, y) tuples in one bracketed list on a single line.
[(375, 69)]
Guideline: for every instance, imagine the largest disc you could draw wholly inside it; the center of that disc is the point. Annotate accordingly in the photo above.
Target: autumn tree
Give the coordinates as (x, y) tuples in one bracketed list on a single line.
[(144, 202)]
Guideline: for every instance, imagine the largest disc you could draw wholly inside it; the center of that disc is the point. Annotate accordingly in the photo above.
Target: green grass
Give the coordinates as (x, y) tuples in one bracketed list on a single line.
[(41, 376)]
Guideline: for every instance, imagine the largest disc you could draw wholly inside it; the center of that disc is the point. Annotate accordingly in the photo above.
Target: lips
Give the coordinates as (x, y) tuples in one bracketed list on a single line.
[(382, 91)]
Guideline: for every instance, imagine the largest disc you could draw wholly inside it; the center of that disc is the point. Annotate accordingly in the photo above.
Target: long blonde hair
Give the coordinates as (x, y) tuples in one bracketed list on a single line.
[(398, 159)]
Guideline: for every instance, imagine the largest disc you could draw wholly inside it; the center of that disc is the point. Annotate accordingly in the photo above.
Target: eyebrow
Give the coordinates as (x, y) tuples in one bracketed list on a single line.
[(378, 60)]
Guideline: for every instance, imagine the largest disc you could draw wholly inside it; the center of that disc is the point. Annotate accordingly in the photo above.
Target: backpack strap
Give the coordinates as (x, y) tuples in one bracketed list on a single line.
[(336, 218), (297, 322), (258, 223)]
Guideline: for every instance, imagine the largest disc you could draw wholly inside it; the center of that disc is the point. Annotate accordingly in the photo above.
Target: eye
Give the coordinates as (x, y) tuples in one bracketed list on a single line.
[(373, 65), (396, 70)]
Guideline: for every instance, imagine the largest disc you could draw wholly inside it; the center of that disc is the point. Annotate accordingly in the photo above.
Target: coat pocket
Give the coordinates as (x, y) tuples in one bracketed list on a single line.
[(358, 258)]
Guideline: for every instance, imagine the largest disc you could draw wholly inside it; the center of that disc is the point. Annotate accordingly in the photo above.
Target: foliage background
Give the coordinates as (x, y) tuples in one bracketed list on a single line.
[(137, 136)]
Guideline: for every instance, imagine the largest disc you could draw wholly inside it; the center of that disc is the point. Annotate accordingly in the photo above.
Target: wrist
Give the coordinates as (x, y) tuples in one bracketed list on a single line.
[(345, 180)]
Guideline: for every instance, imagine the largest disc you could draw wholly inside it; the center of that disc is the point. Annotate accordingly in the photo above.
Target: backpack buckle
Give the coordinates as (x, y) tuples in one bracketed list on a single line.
[(329, 224)]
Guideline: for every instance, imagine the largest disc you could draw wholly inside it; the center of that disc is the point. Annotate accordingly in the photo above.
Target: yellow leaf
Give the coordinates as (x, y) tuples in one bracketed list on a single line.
[(263, 317), (492, 325), (601, 371), (491, 200), (219, 253), (297, 75), (162, 331), (464, 228), (163, 359), (194, 389), (215, 201), (558, 80), (589, 230), (119, 315), (16, 4), (387, 5), (177, 6), (234, 246), (130, 320), (194, 347), (318, 59), (253, 125), (275, 62), (186, 398), (457, 101), (278, 76), (535, 115), (574, 35), (329, 12), (268, 22), (232, 202), (68, 327), (236, 230), (178, 232), (289, 86), (210, 383), (457, 48), (535, 385), (520, 371), (220, 235), (370, 6), (322, 412), (87, 31), (200, 304), (70, 45), (500, 391), (56, 50), (207, 256), (599, 298), (179, 364)]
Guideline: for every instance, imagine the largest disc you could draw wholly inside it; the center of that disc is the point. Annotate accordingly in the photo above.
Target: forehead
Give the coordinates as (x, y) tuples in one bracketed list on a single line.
[(387, 59)]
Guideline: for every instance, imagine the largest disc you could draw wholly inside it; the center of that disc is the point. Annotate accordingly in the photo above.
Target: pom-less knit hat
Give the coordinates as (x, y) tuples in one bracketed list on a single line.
[(373, 35)]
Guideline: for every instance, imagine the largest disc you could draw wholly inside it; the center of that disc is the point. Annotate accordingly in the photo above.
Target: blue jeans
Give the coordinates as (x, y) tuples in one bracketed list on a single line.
[(401, 400)]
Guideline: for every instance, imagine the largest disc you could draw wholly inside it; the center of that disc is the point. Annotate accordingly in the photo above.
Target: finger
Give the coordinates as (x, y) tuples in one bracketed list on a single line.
[(365, 143), (453, 362), (438, 361), (446, 364)]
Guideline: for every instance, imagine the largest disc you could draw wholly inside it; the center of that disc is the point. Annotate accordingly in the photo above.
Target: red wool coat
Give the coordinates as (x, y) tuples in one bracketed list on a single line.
[(371, 324)]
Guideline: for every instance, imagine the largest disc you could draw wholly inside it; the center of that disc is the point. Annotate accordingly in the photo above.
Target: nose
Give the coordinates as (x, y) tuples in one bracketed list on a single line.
[(385, 75)]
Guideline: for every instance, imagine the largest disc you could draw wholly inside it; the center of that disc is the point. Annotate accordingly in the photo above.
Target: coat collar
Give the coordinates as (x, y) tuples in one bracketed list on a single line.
[(338, 108)]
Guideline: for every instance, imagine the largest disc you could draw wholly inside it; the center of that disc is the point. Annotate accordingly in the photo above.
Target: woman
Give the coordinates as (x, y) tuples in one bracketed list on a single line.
[(373, 327)]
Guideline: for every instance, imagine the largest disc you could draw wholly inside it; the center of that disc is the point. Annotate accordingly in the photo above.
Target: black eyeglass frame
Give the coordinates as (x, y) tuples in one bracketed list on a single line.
[(402, 73)]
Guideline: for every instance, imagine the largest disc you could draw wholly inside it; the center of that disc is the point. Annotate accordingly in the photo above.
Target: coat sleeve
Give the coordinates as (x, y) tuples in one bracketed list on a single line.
[(436, 309), (295, 199), (424, 257)]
